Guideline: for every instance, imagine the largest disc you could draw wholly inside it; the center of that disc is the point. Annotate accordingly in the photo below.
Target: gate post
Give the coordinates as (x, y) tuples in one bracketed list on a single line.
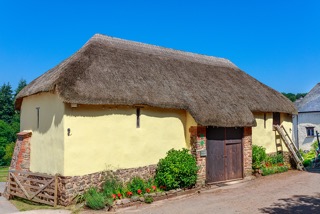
[(198, 142)]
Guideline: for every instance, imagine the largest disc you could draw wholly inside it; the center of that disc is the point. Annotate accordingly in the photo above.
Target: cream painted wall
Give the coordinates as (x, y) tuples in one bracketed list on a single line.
[(104, 138), (264, 135), (46, 154)]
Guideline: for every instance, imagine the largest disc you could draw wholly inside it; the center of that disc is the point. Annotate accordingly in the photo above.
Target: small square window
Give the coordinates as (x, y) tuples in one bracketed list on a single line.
[(310, 131)]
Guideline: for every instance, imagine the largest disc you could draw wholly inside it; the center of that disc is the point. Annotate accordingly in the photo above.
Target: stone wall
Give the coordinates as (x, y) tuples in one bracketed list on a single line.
[(247, 151), (71, 186), (198, 143)]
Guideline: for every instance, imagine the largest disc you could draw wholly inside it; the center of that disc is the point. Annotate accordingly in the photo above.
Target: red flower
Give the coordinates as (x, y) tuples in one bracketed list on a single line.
[(129, 194), (114, 196), (154, 188), (119, 195), (148, 190), (139, 191)]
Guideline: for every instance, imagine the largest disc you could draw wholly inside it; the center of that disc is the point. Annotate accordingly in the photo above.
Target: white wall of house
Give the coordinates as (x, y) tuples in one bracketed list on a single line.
[(300, 124)]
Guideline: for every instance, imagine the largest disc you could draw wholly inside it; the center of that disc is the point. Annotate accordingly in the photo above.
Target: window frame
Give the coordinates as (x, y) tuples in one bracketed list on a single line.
[(310, 131)]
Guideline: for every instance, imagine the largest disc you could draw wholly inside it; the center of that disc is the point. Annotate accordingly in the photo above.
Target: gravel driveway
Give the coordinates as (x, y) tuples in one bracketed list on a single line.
[(290, 192)]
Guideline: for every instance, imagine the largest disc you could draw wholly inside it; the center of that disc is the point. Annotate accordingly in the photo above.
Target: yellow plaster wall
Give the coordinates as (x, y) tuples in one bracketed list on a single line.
[(265, 136), (102, 138), (46, 154)]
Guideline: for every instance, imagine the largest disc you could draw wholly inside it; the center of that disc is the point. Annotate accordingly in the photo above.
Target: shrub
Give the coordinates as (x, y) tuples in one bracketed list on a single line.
[(177, 170), (275, 158), (307, 162), (273, 169), (148, 199), (94, 199), (137, 186), (258, 156)]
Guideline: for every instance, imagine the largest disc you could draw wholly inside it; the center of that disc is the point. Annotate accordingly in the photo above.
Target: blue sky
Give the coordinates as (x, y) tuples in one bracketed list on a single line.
[(277, 42)]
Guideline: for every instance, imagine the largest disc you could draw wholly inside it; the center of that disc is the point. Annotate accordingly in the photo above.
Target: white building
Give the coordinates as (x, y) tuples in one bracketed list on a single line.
[(307, 122)]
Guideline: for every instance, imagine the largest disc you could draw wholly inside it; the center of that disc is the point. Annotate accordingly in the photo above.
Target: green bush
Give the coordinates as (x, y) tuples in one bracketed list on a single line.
[(267, 171), (148, 199), (274, 158), (307, 162), (94, 199), (273, 170), (177, 170), (258, 156), (113, 186), (137, 186)]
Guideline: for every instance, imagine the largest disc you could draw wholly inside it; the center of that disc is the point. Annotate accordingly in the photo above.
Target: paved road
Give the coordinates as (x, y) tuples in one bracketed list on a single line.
[(5, 205), (290, 192)]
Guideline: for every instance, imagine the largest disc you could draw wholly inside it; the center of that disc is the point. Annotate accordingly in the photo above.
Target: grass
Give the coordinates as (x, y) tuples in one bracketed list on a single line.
[(25, 205), (4, 173)]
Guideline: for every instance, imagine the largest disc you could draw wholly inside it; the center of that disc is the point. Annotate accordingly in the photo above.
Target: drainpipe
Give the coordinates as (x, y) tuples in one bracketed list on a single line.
[(318, 140)]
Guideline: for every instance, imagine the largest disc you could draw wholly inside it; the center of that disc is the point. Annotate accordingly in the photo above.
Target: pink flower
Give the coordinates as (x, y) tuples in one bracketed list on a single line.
[(139, 191)]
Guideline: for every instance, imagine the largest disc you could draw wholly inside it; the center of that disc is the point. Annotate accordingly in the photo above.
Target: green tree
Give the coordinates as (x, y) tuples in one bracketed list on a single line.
[(6, 103), (7, 136), (299, 95), (22, 83), (294, 97), (9, 121)]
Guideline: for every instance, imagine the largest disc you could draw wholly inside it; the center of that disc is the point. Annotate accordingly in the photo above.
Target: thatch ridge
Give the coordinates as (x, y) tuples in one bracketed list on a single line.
[(119, 72)]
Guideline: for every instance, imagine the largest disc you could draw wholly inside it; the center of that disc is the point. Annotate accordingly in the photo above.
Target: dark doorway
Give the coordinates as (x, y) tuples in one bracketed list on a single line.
[(224, 154), (276, 118)]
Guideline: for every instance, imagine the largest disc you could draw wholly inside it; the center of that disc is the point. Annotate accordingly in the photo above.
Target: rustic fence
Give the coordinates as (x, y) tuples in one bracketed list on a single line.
[(33, 186)]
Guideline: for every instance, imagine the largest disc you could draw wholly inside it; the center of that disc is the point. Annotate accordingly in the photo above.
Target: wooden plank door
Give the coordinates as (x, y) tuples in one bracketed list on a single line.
[(215, 154), (215, 160), (224, 154), (233, 159)]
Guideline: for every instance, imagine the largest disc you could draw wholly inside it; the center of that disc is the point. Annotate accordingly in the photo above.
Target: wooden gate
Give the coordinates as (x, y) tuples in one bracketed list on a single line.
[(36, 187), (224, 154)]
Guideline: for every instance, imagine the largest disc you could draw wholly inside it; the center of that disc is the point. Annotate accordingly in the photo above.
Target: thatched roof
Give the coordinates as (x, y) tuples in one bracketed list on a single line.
[(111, 71), (311, 102)]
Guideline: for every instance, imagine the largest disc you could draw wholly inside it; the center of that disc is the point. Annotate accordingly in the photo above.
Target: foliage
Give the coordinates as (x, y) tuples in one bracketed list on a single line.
[(148, 199), (94, 199), (259, 156), (294, 97), (22, 83), (137, 186), (177, 170), (274, 158), (307, 162), (9, 121), (6, 103), (274, 169), (309, 156), (8, 153)]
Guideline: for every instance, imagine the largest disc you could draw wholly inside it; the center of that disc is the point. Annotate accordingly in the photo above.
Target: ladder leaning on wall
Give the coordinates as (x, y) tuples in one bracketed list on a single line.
[(293, 150)]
